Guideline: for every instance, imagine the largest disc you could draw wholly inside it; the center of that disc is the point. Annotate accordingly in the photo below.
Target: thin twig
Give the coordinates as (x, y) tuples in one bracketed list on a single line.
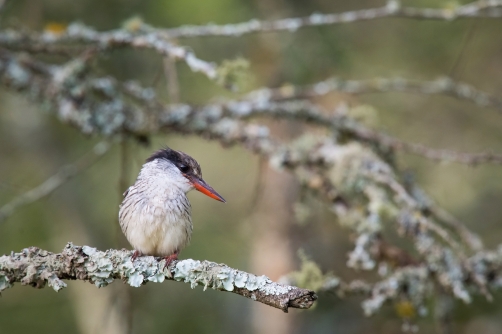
[(440, 86), (64, 174), (409, 201), (171, 73), (458, 59), (123, 183), (308, 112), (471, 159), (485, 9), (471, 239)]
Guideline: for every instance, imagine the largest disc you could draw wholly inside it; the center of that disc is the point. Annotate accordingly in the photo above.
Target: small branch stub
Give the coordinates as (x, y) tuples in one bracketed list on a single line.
[(37, 267)]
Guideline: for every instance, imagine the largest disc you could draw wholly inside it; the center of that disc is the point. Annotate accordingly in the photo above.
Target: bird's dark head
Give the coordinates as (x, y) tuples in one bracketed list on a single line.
[(189, 169)]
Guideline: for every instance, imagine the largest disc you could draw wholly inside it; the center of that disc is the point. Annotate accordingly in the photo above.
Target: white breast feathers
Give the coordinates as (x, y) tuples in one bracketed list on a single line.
[(155, 214)]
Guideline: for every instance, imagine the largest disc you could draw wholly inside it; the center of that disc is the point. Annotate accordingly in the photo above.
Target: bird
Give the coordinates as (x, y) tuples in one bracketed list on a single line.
[(155, 214)]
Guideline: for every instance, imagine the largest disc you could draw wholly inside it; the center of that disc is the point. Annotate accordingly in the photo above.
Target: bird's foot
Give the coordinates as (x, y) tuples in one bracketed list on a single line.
[(169, 259), (135, 255)]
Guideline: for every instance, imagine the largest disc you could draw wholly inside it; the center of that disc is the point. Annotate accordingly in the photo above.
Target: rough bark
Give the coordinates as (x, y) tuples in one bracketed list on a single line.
[(37, 267)]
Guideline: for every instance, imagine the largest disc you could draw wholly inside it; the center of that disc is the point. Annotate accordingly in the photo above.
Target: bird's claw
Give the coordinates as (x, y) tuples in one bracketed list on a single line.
[(135, 255), (170, 259)]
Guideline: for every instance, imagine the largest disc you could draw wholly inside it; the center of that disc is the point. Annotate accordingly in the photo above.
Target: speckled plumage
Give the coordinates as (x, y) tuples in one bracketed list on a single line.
[(155, 214)]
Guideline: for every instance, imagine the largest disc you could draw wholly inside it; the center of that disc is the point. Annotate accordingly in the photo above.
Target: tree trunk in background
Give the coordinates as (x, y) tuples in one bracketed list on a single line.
[(272, 254), (271, 250), (96, 310)]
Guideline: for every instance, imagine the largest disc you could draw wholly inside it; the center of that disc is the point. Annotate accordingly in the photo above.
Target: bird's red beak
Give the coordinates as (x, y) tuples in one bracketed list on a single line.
[(206, 189)]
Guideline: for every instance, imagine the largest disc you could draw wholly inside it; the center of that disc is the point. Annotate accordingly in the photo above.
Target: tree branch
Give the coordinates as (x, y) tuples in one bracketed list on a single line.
[(78, 33), (117, 113), (393, 9), (262, 103), (440, 86), (362, 189), (37, 268)]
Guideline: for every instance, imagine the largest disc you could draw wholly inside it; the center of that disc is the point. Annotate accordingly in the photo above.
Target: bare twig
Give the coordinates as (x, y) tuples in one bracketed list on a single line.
[(452, 73), (471, 159), (171, 74), (469, 237), (37, 267), (440, 86), (64, 174), (487, 9)]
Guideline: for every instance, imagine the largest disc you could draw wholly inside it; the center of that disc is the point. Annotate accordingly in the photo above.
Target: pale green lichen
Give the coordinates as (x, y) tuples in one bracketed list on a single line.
[(411, 282), (310, 275), (37, 268), (221, 277), (360, 257), (4, 283), (240, 279), (100, 268), (18, 75), (134, 24), (135, 279), (227, 277), (233, 74), (54, 282), (365, 114), (301, 212)]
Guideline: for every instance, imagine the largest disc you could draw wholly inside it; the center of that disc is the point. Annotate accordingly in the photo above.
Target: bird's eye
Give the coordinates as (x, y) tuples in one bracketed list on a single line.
[(184, 168)]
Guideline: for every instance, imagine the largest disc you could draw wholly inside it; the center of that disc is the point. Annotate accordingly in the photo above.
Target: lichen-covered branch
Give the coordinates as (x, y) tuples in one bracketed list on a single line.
[(440, 86), (262, 103), (38, 268), (351, 168), (132, 109), (80, 34), (140, 35), (117, 113), (393, 9)]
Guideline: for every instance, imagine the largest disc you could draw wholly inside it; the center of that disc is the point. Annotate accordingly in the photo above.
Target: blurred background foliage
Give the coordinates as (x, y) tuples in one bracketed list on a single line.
[(34, 145)]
